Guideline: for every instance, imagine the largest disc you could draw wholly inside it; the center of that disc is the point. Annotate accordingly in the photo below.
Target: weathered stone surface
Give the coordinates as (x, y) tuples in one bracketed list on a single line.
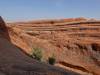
[(13, 61), (75, 42)]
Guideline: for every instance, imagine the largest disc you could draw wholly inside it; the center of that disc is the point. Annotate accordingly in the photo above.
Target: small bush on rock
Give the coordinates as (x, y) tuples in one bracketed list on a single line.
[(52, 60), (37, 54)]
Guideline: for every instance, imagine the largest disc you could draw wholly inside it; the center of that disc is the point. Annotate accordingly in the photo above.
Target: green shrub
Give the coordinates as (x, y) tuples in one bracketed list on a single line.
[(52, 60), (37, 54)]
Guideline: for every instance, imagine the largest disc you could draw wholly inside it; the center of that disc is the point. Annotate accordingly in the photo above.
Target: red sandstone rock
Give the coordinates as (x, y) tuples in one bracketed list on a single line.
[(76, 43), (13, 61)]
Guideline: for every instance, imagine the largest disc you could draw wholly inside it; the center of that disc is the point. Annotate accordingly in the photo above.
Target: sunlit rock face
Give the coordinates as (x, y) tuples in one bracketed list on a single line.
[(75, 42), (13, 61)]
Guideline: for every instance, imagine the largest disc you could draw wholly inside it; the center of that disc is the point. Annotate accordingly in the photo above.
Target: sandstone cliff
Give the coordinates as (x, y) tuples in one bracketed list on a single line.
[(13, 61), (75, 42)]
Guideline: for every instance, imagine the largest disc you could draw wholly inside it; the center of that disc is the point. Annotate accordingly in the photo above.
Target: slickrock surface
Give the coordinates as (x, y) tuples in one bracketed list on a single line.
[(74, 42), (13, 61)]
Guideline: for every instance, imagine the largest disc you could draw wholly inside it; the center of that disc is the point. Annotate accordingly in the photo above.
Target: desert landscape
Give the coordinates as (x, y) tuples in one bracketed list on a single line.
[(15, 61), (75, 43), (49, 37)]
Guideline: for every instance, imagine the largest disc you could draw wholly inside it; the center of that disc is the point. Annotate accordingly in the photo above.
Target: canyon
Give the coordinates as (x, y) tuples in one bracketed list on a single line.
[(75, 42)]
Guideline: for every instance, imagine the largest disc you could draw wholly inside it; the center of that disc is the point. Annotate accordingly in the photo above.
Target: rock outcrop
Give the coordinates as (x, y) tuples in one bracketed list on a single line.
[(13, 61), (76, 43)]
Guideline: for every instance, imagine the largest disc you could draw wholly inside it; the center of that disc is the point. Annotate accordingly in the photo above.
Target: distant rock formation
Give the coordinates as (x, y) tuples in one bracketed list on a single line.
[(15, 62), (74, 42)]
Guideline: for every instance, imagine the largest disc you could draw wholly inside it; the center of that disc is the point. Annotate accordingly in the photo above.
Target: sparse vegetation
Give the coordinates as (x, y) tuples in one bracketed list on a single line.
[(52, 60), (95, 46), (37, 54)]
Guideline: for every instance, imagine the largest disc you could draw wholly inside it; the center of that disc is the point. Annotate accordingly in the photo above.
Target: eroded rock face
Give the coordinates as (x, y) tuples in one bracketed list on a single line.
[(13, 61), (76, 43), (3, 29), (2, 24)]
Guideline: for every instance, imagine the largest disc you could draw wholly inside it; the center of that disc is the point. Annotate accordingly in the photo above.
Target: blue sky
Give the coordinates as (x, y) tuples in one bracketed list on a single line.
[(15, 10)]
